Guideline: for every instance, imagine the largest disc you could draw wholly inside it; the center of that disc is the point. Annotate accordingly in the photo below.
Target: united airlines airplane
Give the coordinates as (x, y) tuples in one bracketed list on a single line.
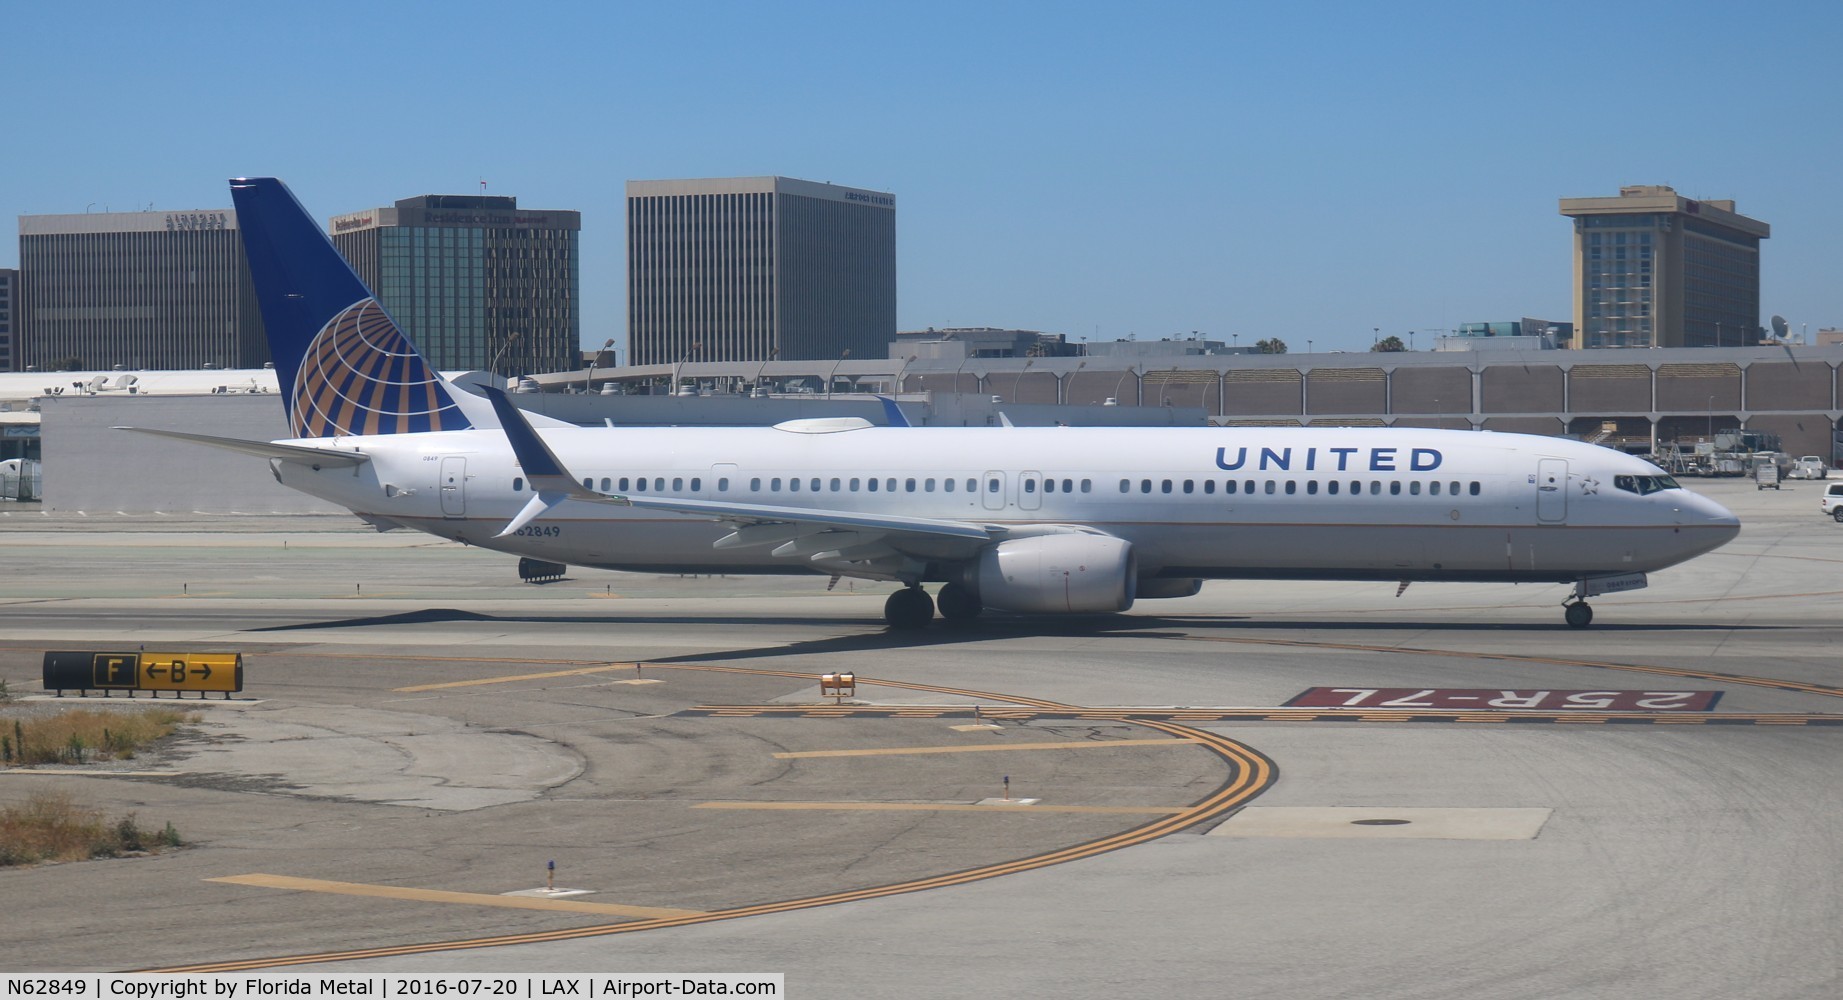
[(1035, 520)]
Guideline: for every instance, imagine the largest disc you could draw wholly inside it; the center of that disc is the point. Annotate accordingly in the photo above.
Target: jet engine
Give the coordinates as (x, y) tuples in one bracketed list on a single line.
[(1075, 573)]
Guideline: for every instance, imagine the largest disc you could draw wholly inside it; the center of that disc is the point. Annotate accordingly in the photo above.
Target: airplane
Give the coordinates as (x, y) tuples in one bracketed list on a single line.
[(1032, 520)]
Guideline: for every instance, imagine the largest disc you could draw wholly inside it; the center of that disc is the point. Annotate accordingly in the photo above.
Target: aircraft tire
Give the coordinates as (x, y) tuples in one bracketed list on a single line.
[(957, 603), (1579, 615), (908, 610)]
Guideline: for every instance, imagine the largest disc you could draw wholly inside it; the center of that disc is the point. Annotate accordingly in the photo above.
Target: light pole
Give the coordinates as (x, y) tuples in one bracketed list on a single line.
[(590, 377), (1017, 383), (1375, 335), (1308, 345), (834, 373), (673, 390), (493, 366)]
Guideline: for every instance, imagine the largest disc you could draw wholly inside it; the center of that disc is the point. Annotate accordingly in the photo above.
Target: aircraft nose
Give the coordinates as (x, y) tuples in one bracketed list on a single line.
[(1716, 524)]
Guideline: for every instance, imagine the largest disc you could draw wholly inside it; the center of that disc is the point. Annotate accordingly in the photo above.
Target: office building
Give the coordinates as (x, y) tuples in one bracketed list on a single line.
[(477, 282), (754, 268), (9, 294), (136, 289), (1655, 269)]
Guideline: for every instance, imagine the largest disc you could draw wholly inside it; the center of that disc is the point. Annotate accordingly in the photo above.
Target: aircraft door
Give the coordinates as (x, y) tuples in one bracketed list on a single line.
[(1029, 490), (1552, 490), (453, 486), (992, 490)]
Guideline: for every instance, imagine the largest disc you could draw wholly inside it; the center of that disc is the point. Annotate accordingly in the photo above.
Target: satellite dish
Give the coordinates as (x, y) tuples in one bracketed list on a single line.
[(1780, 328)]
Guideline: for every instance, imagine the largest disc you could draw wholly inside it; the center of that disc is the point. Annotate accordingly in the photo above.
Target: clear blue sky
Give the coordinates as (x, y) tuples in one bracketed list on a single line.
[(1303, 170)]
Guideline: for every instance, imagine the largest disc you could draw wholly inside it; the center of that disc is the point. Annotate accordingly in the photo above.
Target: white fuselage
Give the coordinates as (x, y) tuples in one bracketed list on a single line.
[(1310, 503)]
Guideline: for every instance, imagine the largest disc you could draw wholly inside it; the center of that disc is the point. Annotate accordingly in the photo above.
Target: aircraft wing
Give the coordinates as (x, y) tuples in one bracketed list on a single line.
[(822, 536), (262, 449)]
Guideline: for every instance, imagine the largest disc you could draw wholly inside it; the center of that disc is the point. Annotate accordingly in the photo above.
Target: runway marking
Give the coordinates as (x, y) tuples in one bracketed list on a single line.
[(461, 898), (514, 678), (993, 748), (1250, 773), (947, 807), (1374, 715), (1775, 683)]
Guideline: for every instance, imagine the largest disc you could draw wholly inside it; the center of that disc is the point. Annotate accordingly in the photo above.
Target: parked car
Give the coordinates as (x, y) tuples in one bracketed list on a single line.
[(1832, 503), (1809, 467)]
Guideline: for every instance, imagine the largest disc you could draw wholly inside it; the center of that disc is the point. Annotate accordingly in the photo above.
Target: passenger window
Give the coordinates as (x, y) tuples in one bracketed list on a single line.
[(678, 484), (971, 486), (793, 485), (1190, 486), (659, 485), (872, 484), (928, 486), (755, 485), (1414, 488), (814, 485), (1311, 487), (889, 485), (1395, 489), (1331, 487), (1433, 488), (836, 484), (587, 483), (1453, 488), (1166, 487), (1030, 485), (640, 485), (1209, 486), (1291, 487), (518, 484), (909, 485), (1049, 486), (947, 484), (1126, 485), (775, 484), (723, 485), (1269, 485), (1145, 486), (854, 484), (1474, 490), (1375, 487), (697, 484), (604, 484), (1086, 485)]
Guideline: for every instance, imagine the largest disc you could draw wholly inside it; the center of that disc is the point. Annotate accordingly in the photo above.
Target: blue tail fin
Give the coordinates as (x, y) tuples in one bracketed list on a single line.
[(344, 365)]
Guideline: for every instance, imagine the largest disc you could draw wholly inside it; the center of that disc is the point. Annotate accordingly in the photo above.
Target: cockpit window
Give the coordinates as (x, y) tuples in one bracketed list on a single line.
[(1645, 485)]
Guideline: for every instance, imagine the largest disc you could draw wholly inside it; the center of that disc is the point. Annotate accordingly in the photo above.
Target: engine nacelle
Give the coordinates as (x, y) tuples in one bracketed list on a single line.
[(1058, 574)]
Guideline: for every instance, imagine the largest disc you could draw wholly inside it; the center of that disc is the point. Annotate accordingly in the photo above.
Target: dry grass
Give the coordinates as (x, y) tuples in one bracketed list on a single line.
[(83, 735), (51, 826)]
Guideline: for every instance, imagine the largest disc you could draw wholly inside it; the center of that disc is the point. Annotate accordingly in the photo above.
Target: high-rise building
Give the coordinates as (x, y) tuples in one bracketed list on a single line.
[(753, 268), (137, 289), (9, 294), (477, 282), (1655, 269)]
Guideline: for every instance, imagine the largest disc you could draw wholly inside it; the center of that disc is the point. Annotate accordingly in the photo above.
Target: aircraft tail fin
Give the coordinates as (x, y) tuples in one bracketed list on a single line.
[(344, 365)]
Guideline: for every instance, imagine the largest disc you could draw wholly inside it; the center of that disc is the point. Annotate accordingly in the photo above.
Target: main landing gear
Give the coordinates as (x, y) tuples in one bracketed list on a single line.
[(911, 608), (908, 609)]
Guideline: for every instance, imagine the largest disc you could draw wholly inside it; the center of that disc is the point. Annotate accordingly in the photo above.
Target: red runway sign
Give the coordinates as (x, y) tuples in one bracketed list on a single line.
[(1483, 698)]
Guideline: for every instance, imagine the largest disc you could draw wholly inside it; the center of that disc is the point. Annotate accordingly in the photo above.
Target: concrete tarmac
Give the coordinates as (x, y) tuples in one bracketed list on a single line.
[(420, 734)]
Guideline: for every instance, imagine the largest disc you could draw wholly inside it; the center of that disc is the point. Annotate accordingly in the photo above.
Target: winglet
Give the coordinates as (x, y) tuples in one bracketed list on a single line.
[(549, 478), (893, 413)]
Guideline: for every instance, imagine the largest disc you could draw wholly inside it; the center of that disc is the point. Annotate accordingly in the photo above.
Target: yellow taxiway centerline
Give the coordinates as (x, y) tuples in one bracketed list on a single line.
[(462, 898), (513, 678), (996, 748)]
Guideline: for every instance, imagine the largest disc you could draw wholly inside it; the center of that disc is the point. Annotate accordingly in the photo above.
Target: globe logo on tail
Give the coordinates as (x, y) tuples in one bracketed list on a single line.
[(361, 375)]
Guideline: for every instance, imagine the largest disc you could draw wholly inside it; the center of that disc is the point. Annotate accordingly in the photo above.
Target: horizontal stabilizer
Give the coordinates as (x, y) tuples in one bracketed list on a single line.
[(326, 457)]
